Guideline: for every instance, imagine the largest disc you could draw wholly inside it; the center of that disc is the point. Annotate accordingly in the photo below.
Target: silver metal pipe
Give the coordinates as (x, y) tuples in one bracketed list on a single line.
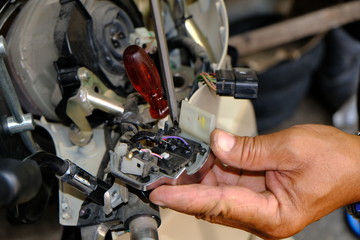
[(144, 228), (179, 16), (29, 142), (11, 99), (105, 104), (164, 60), (9, 93)]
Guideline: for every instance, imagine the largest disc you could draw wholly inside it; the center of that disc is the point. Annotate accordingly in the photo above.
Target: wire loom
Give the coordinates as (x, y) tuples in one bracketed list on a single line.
[(208, 79)]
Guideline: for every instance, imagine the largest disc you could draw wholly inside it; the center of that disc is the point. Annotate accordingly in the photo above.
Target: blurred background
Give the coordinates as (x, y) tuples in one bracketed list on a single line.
[(324, 65), (310, 80)]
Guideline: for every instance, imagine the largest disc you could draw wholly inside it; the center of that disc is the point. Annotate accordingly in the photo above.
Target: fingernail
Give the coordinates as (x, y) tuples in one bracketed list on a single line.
[(159, 203), (225, 141)]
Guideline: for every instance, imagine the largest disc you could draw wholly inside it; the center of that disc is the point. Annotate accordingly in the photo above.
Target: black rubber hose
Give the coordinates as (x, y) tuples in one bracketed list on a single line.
[(195, 50), (50, 162), (26, 185), (19, 181)]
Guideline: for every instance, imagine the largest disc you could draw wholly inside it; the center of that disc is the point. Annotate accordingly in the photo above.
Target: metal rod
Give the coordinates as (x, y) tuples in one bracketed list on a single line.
[(164, 60), (105, 104), (8, 92), (179, 16), (11, 99), (144, 228)]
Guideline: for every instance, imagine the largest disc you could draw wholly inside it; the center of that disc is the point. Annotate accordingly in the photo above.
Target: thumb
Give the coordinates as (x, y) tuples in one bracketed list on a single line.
[(249, 153)]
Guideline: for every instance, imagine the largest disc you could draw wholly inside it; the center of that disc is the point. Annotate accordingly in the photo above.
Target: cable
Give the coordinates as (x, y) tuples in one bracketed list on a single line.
[(152, 153), (207, 79), (195, 50), (176, 137), (50, 162)]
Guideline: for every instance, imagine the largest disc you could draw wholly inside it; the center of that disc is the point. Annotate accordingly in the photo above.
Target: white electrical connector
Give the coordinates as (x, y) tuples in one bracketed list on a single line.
[(142, 37), (165, 155)]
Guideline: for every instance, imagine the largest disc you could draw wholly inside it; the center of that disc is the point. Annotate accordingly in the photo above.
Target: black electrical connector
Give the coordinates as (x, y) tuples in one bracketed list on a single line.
[(241, 83)]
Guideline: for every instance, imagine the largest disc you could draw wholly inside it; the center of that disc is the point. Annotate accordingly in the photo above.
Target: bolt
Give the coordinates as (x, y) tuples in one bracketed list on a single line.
[(155, 169), (64, 206), (116, 44), (66, 214), (84, 213), (84, 74), (121, 35)]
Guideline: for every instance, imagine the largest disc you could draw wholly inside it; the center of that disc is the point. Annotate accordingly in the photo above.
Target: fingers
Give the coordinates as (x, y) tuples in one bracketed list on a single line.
[(210, 179), (220, 204), (250, 153)]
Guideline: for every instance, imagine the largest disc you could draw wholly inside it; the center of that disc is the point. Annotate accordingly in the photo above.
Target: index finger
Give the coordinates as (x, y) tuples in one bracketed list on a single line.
[(227, 205)]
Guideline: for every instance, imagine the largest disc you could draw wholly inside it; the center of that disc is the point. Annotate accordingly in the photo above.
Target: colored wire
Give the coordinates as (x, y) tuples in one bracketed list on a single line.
[(210, 84), (154, 154), (150, 45), (176, 137), (208, 79)]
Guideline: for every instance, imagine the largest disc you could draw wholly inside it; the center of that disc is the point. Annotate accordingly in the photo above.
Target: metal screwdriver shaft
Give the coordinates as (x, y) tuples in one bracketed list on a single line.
[(165, 69)]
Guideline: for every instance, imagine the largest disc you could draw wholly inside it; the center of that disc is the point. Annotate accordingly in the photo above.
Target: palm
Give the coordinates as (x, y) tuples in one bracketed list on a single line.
[(222, 175), (250, 186)]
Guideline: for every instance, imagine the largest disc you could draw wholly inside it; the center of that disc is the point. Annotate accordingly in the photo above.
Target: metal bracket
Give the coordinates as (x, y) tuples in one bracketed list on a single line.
[(92, 94), (115, 196), (188, 174)]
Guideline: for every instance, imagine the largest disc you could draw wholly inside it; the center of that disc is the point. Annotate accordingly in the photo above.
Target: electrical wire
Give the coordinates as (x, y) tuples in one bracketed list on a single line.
[(150, 45), (175, 137), (208, 79), (152, 153)]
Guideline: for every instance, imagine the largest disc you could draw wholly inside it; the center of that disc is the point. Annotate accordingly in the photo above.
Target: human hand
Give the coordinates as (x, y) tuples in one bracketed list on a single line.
[(273, 185)]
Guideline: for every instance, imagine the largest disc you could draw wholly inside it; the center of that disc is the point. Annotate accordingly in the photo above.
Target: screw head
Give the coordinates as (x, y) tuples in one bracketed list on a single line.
[(84, 213)]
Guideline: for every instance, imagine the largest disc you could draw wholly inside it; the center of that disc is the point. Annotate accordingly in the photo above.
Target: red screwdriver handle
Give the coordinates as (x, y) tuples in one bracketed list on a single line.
[(145, 78)]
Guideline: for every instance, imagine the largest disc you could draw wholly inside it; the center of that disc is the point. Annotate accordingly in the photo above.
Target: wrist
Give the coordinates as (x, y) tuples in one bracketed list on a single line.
[(357, 164), (356, 172)]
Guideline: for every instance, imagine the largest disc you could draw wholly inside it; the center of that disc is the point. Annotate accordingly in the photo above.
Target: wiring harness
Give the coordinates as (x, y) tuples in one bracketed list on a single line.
[(240, 83)]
